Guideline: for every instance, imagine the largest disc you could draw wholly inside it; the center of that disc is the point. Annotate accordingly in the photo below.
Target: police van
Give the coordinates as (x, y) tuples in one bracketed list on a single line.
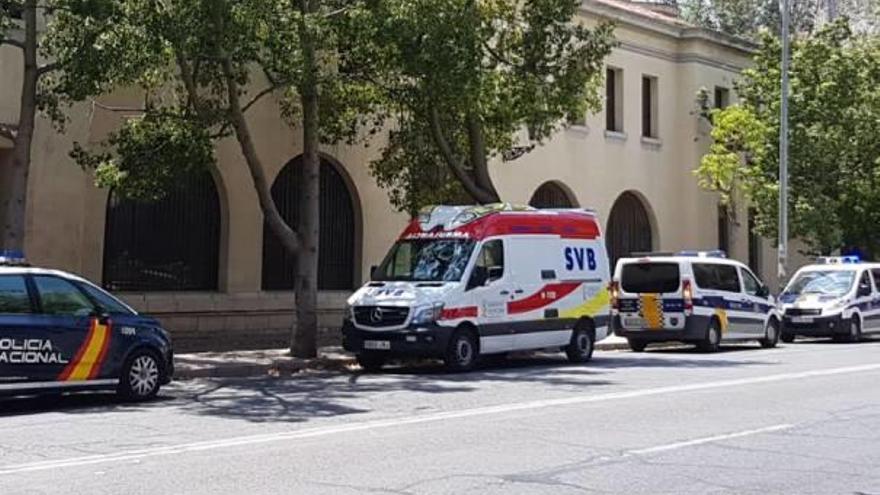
[(60, 332), (694, 297), (466, 281), (837, 297)]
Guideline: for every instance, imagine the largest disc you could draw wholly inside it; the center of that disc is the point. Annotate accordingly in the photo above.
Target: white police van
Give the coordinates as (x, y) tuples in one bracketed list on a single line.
[(60, 333), (693, 297), (465, 281), (837, 297)]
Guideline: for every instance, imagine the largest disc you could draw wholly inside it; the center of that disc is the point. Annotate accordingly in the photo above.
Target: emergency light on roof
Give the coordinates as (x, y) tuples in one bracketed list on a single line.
[(12, 257), (715, 253), (837, 260)]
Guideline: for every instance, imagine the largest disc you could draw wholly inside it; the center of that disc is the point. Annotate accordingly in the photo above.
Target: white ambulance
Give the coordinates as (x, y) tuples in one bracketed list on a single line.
[(838, 297), (697, 297), (466, 281)]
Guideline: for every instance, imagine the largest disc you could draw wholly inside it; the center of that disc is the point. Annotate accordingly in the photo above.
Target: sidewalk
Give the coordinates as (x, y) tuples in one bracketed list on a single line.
[(277, 362)]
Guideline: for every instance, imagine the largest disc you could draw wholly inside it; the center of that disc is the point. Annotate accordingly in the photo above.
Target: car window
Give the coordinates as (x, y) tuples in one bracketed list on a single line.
[(107, 302), (492, 255), (865, 280), (649, 278), (60, 297), (14, 297), (716, 277), (876, 274), (751, 285)]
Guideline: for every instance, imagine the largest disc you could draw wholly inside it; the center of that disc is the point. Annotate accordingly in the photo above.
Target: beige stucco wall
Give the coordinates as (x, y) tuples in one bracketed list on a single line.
[(67, 212)]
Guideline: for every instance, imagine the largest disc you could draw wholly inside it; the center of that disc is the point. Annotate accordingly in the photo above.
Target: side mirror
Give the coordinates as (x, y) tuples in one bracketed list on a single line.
[(479, 277), (763, 291), (373, 270), (102, 316), (864, 290)]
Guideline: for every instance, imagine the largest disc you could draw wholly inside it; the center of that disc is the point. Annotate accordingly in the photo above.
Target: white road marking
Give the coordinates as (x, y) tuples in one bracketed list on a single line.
[(705, 440), (130, 455)]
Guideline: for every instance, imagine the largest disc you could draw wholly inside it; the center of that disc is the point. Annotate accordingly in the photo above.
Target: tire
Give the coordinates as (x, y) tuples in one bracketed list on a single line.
[(141, 376), (371, 363), (636, 345), (771, 335), (461, 353), (580, 349), (855, 331), (712, 340), (788, 338)]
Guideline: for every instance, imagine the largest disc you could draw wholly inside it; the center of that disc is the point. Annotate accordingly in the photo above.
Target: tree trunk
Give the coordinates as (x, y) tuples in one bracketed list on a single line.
[(14, 180), (306, 286), (478, 157)]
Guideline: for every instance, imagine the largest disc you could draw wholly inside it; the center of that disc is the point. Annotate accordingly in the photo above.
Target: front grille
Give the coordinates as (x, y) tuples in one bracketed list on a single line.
[(380, 316), (802, 312)]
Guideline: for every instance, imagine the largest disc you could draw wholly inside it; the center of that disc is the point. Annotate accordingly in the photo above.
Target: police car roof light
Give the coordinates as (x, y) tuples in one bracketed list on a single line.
[(12, 257), (715, 253), (838, 260)]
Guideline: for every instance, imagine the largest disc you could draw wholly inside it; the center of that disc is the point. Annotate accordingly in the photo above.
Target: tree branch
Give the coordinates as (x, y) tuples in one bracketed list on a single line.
[(12, 42), (47, 69), (479, 163), (111, 108), (455, 164)]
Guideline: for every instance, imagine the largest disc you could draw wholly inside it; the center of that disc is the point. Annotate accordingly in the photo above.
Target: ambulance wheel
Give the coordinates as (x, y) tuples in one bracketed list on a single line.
[(461, 354), (371, 363), (712, 340), (141, 376), (637, 345), (580, 349), (771, 335)]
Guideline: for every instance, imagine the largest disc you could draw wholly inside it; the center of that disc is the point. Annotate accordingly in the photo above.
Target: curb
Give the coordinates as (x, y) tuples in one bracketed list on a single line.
[(289, 366)]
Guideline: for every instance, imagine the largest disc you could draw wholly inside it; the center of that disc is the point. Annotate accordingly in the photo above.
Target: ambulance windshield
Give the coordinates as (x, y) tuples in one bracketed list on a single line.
[(426, 260), (822, 282)]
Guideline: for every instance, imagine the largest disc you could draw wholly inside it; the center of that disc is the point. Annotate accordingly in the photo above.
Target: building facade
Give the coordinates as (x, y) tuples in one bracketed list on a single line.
[(203, 262)]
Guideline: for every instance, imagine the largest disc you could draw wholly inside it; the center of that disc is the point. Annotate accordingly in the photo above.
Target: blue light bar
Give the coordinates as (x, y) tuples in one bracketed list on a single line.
[(715, 253), (12, 257), (838, 260)]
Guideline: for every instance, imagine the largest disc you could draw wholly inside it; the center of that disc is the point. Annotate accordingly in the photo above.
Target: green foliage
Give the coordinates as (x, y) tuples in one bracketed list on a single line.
[(834, 153), (152, 155), (506, 65), (747, 18)]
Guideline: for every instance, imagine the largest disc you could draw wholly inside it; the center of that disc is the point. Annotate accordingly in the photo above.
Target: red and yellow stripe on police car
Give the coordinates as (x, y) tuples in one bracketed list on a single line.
[(87, 363)]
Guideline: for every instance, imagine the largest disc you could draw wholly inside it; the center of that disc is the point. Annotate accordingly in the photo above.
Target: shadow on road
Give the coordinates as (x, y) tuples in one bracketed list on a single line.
[(314, 395)]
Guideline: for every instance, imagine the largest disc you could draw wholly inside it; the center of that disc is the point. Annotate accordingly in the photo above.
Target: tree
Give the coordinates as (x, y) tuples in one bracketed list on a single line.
[(467, 78), (834, 122), (202, 65), (20, 29)]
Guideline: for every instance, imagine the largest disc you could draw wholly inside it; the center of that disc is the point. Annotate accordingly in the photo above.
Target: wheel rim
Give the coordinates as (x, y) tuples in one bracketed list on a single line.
[(464, 351), (143, 376), (771, 333), (854, 329), (583, 344), (713, 336)]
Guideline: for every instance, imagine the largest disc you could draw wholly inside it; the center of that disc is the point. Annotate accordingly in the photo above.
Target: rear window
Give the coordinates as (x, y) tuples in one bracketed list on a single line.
[(649, 277)]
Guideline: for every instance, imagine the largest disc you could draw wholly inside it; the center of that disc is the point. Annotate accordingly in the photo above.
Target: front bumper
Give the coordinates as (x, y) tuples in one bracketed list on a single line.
[(821, 326), (694, 330), (418, 341)]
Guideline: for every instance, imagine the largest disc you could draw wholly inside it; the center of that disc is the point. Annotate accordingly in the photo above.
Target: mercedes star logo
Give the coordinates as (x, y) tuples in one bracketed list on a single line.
[(376, 315)]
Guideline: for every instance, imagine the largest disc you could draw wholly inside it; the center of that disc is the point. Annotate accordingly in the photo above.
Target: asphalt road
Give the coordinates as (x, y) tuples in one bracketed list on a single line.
[(800, 419)]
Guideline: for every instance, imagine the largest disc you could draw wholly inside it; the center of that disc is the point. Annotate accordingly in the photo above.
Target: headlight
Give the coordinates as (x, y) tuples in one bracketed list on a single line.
[(428, 313), (835, 306)]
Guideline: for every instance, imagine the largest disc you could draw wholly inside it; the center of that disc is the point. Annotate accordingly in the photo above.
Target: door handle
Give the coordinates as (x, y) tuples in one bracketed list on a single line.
[(505, 292), (518, 291)]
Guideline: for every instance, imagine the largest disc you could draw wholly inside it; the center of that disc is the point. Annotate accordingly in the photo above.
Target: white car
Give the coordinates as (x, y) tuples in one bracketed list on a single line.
[(694, 297), (465, 281), (838, 297)]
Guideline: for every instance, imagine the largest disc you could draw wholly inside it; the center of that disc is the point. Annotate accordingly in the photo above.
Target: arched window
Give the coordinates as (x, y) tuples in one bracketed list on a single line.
[(551, 195), (629, 228), (172, 244), (336, 263)]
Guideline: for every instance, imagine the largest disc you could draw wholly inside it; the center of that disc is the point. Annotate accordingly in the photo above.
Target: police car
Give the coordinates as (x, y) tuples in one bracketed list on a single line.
[(60, 332), (837, 297), (694, 297), (466, 281)]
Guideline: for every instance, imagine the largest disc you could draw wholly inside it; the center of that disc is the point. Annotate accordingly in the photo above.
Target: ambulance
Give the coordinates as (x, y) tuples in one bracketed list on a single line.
[(838, 297), (467, 281), (696, 297)]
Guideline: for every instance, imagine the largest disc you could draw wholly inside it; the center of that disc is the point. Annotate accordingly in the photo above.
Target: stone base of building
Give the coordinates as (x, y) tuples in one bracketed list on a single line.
[(242, 321)]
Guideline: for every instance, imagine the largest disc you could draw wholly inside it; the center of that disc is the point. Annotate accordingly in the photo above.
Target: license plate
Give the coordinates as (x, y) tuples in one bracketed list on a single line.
[(634, 322), (801, 319), (377, 345)]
